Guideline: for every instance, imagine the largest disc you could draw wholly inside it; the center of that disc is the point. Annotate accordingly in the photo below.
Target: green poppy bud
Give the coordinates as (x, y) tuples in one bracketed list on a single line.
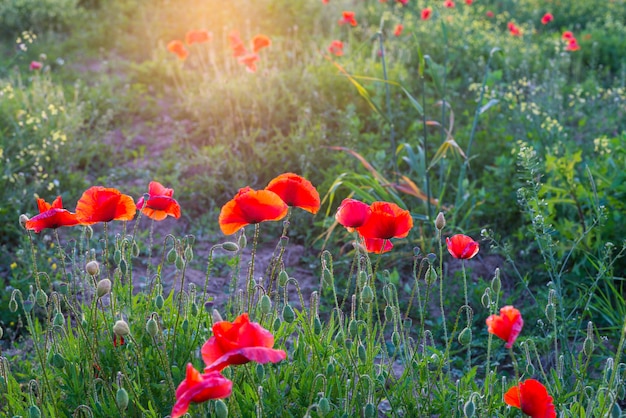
[(369, 411), (362, 278), (367, 294), (260, 372), (1, 333), (152, 328), (317, 325), (13, 305), (485, 299), (28, 305), (243, 241), (221, 410), (395, 337), (550, 312), (323, 406), (34, 412), (117, 256), (58, 361), (288, 314), (361, 352), (123, 267), (330, 368), (185, 325), (431, 276), (230, 247), (465, 337), (276, 324), (469, 408), (135, 249), (171, 256), (616, 411), (282, 278), (188, 253), (339, 338), (194, 309), (59, 320), (496, 283), (121, 398), (353, 328), (41, 298), (266, 305), (179, 263)]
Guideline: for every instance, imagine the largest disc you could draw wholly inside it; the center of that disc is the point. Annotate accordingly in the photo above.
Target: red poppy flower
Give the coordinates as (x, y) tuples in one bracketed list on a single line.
[(51, 216), (177, 48), (469, 2), (160, 203), (249, 60), (239, 342), (251, 207), (403, 2), (567, 35), (325, 1), (121, 341), (507, 325), (259, 42), (336, 48), (296, 191), (35, 65), (398, 30), (236, 44), (199, 388), (386, 220), (461, 246), (100, 204), (377, 246), (572, 45), (489, 14), (449, 4), (513, 29), (427, 13), (198, 37), (352, 213), (532, 398), (547, 18), (348, 17)]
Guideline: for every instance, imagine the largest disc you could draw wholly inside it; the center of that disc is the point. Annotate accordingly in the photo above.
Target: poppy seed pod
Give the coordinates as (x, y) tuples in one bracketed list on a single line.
[(121, 328), (440, 221), (103, 288), (93, 268)]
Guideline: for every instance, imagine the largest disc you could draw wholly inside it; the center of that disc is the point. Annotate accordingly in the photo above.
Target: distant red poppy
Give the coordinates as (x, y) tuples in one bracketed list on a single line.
[(239, 342), (348, 17), (469, 2), (325, 1), (489, 14), (336, 48), (513, 29), (251, 207), (507, 325), (572, 45), (259, 42), (296, 191), (198, 37), (236, 44), (249, 60), (178, 48), (567, 35), (532, 398), (377, 246), (101, 204), (199, 388), (35, 65), (403, 2), (50, 216), (398, 30), (427, 13), (547, 18), (386, 221), (160, 203), (449, 4), (352, 213), (461, 246)]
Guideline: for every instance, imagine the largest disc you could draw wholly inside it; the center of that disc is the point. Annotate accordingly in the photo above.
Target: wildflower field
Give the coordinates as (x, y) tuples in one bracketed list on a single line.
[(312, 208)]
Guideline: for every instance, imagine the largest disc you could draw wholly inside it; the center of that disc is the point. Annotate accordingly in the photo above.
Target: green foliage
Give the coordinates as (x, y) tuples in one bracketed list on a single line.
[(37, 15)]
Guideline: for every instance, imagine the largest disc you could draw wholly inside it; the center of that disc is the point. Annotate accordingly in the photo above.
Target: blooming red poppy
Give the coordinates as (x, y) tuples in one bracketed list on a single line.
[(469, 2), (489, 14), (449, 4), (249, 60), (532, 398), (101, 204), (377, 245), (199, 388), (513, 29), (567, 35), (427, 13), (403, 2), (236, 44), (296, 191), (398, 30), (336, 48), (35, 65), (239, 342), (50, 216), (251, 207), (348, 17), (572, 45), (177, 48), (352, 213), (386, 221), (461, 246), (259, 42), (198, 37), (507, 325), (160, 203), (547, 18)]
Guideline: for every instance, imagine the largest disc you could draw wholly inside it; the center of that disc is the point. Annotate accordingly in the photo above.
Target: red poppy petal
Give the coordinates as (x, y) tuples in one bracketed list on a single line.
[(251, 207), (259, 42), (512, 397), (199, 388), (159, 207), (50, 219), (244, 355), (43, 206), (296, 191), (352, 213), (100, 204), (386, 220), (377, 246), (157, 189)]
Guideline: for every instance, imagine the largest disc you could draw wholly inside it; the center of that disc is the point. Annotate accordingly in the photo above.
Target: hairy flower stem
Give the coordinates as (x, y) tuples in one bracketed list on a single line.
[(469, 319), (443, 312), (249, 286)]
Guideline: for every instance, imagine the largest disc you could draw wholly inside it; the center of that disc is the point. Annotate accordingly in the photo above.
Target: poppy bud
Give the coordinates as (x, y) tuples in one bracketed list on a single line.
[(440, 221), (388, 313), (369, 411), (550, 312), (179, 263), (59, 320), (361, 352), (117, 256), (276, 324), (353, 328), (230, 246), (530, 369), (34, 412), (243, 241), (221, 410), (288, 314), (93, 268), (395, 338), (588, 346), (431, 276), (1, 333), (330, 368), (88, 232), (616, 411), (103, 288), (367, 295), (58, 361), (260, 372), (28, 305), (469, 408), (362, 278), (317, 325), (265, 304), (152, 328), (188, 253), (12, 304), (171, 256), (23, 220), (339, 338), (323, 406), (283, 277), (185, 325), (496, 283), (41, 298), (465, 337), (121, 398), (121, 328)]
